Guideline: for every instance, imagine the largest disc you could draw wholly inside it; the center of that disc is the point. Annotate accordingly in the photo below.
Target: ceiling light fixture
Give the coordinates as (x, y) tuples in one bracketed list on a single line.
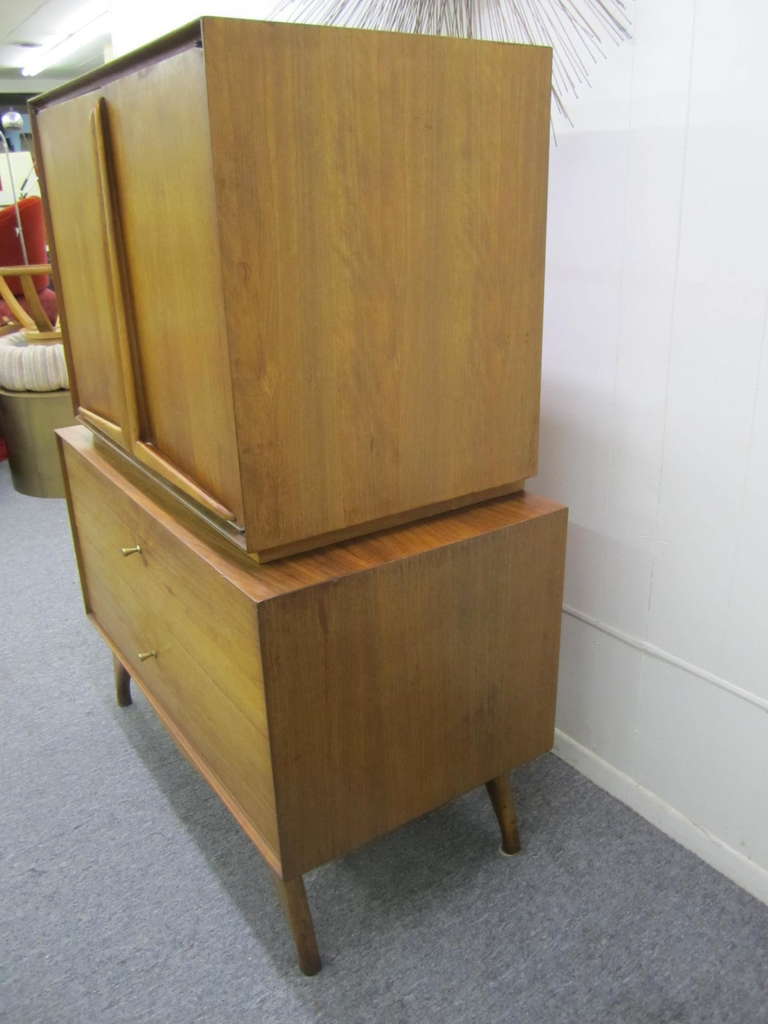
[(12, 121), (88, 24)]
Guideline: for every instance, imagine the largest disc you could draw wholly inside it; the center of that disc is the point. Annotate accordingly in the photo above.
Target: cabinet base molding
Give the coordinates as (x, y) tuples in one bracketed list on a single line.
[(386, 523), (222, 521)]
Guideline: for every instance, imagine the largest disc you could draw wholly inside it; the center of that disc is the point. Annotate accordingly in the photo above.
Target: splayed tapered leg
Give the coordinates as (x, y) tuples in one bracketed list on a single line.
[(504, 805), (122, 684), (294, 899)]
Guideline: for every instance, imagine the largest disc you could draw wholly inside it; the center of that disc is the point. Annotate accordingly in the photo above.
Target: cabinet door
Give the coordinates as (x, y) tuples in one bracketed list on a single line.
[(162, 174), (70, 140), (130, 193)]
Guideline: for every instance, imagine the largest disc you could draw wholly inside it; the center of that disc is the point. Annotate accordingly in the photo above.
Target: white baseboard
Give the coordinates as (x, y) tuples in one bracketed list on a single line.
[(714, 851)]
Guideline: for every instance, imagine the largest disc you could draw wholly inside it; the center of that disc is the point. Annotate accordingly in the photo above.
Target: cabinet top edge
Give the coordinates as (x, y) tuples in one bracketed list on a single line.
[(164, 46), (406, 38), (194, 32)]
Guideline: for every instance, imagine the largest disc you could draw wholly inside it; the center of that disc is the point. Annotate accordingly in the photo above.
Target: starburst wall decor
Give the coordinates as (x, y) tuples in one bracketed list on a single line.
[(577, 30)]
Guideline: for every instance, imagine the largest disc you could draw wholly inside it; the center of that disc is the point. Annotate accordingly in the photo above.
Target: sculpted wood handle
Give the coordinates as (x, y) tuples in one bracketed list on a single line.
[(123, 318)]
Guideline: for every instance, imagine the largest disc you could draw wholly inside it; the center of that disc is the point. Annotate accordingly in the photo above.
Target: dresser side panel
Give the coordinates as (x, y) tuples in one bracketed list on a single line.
[(395, 690), (381, 201)]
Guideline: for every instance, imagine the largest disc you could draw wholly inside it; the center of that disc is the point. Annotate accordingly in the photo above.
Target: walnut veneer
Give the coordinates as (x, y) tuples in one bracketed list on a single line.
[(301, 272), (302, 269), (331, 696)]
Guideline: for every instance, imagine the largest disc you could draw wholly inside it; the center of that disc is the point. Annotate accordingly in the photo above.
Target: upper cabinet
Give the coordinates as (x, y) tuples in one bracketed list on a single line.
[(302, 268)]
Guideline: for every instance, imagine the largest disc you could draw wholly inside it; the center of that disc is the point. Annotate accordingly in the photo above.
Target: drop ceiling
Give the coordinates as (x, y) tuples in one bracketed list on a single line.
[(24, 25)]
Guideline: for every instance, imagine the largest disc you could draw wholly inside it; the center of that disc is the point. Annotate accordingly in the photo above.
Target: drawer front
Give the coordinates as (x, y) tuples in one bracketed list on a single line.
[(205, 669)]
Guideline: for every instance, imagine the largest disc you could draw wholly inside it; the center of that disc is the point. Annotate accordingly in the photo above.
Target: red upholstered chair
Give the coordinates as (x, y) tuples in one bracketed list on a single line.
[(11, 254)]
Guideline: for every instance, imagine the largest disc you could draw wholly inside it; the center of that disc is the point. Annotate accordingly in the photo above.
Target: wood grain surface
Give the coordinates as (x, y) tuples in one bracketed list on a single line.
[(162, 159), (263, 582), (73, 197), (131, 220), (334, 242), (206, 669), (329, 697), (417, 679), (381, 207)]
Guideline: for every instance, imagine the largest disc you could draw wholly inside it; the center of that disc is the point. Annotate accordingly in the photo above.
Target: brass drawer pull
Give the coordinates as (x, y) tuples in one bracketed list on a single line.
[(135, 550), (143, 655)]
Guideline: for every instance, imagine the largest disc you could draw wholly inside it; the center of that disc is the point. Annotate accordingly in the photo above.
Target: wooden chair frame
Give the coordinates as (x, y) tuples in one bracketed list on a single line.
[(35, 323)]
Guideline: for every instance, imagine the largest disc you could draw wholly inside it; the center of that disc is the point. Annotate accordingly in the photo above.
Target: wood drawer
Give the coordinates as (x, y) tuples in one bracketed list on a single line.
[(205, 675), (329, 697)]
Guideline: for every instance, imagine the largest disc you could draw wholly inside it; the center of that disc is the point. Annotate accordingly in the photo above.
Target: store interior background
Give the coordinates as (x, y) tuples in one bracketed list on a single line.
[(654, 424)]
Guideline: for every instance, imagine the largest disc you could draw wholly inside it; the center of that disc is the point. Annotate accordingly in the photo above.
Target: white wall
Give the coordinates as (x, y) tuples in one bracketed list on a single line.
[(655, 424), (20, 167)]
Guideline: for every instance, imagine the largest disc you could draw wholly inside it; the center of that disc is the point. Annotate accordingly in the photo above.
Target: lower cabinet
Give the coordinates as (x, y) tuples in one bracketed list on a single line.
[(332, 696)]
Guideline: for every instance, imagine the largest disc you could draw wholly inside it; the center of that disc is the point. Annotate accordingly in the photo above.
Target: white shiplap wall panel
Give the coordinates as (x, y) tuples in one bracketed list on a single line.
[(655, 425)]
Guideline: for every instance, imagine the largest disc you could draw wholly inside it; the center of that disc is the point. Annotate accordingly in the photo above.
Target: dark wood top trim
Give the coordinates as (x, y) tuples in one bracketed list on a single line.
[(166, 46)]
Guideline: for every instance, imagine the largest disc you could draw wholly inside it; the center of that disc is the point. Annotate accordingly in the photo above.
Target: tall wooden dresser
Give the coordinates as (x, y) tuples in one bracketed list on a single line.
[(301, 271)]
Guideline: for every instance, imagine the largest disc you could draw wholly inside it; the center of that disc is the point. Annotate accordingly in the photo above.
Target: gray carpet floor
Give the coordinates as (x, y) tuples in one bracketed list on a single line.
[(128, 894)]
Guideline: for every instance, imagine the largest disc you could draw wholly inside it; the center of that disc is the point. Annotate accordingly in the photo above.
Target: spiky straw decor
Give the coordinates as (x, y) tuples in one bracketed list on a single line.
[(577, 30)]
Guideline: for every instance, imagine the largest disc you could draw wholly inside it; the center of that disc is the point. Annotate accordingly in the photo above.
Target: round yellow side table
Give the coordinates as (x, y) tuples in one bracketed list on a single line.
[(27, 422)]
